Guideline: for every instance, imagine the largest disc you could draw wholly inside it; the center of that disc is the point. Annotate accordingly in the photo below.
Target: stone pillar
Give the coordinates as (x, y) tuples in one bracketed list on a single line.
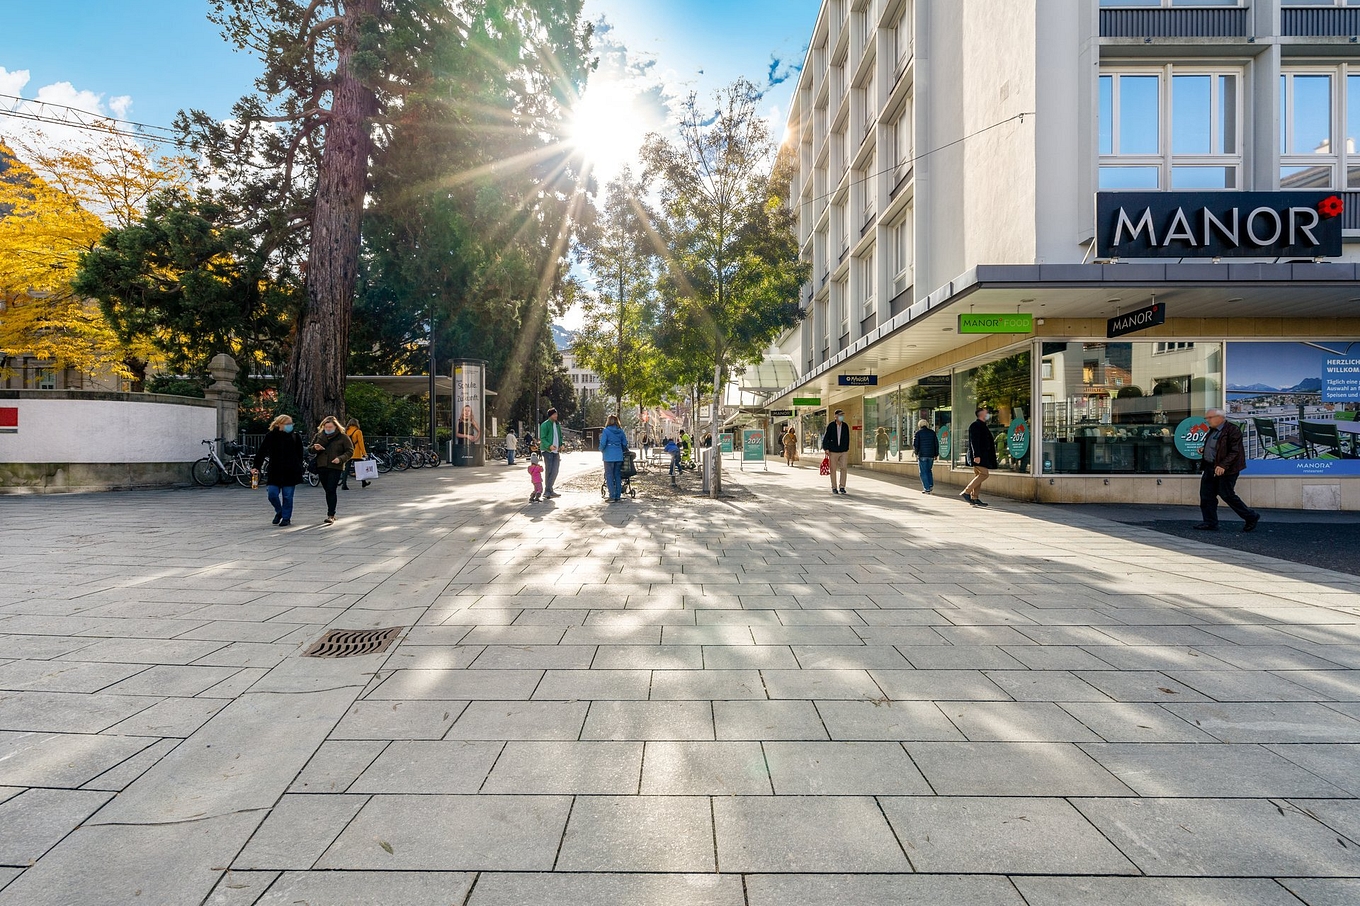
[(224, 395)]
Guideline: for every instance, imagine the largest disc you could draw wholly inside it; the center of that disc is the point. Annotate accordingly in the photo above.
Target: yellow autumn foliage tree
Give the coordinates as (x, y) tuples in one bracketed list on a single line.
[(55, 204)]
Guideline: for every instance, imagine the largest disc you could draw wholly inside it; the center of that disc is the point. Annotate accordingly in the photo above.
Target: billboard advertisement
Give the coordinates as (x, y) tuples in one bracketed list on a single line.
[(1298, 406)]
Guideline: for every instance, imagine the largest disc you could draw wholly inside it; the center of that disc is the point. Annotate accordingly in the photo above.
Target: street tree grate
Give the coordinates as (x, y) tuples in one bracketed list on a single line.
[(353, 642)]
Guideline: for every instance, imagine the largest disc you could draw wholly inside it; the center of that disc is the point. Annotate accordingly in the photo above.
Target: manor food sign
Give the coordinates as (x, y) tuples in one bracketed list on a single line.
[(1218, 224)]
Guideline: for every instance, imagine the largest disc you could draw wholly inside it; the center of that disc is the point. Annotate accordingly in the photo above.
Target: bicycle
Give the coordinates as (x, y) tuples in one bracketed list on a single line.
[(211, 470)]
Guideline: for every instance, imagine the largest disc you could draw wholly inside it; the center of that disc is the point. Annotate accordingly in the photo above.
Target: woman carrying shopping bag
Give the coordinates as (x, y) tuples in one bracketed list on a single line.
[(356, 437)]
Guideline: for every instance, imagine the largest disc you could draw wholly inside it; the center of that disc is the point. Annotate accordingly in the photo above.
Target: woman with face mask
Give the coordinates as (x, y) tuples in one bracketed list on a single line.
[(333, 450), (283, 449)]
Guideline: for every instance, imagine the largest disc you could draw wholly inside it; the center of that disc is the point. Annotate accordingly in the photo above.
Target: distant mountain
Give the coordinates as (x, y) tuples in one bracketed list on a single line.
[(1307, 385), (562, 337), (1264, 388)]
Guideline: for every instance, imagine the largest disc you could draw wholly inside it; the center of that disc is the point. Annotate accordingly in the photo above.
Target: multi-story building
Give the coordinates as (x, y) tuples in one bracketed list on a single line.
[(951, 156), (583, 380)]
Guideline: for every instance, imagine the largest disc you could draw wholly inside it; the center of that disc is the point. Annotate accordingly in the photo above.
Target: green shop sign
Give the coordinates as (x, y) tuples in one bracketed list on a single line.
[(807, 401), (1017, 439), (1190, 436), (1013, 323)]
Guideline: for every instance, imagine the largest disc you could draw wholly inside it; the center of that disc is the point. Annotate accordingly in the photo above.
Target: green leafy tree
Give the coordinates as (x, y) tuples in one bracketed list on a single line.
[(615, 338), (189, 283), (732, 269), (381, 413)]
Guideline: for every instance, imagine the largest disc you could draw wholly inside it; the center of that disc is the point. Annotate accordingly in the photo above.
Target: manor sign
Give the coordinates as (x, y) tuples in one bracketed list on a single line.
[(1218, 224)]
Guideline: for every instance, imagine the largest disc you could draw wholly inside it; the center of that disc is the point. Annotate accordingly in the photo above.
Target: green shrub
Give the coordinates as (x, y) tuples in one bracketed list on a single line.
[(379, 412)]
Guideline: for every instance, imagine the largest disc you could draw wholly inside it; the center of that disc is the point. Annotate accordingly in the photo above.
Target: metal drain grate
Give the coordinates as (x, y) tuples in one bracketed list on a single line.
[(353, 642)]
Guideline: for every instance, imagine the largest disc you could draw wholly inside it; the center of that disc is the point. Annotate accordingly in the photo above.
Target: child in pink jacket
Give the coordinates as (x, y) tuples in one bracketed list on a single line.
[(536, 476)]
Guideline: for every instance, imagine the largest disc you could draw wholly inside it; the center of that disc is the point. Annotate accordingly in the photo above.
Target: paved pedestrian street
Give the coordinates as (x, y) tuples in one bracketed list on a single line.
[(782, 698)]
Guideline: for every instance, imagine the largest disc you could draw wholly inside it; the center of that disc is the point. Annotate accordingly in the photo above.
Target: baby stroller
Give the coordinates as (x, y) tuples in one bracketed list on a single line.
[(628, 472)]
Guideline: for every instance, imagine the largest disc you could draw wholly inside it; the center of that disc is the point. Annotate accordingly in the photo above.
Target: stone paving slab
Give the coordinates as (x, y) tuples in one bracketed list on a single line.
[(777, 699)]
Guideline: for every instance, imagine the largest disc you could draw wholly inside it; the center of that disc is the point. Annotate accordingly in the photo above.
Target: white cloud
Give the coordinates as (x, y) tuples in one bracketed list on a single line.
[(65, 94), (12, 82)]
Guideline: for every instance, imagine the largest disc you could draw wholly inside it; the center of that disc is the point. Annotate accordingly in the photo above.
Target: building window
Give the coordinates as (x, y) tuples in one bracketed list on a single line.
[(901, 259), (901, 137), (45, 379), (1317, 106), (841, 299), (901, 40), (865, 279), (1114, 407), (1170, 127), (1003, 386)]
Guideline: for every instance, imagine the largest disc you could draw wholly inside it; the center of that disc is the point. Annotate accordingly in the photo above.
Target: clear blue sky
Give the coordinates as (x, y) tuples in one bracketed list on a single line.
[(166, 56)]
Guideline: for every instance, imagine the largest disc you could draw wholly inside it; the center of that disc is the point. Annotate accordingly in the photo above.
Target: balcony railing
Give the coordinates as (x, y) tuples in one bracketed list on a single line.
[(1208, 22), (1320, 21)]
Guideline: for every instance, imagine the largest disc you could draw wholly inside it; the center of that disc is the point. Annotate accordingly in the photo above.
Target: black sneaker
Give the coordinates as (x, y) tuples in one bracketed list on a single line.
[(980, 503), (842, 490), (286, 522), (1251, 524), (278, 517), (834, 492), (964, 495)]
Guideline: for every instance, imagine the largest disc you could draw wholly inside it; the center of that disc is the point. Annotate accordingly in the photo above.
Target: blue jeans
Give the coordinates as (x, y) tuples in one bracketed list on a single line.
[(509, 457), (281, 499), (926, 464), (613, 477), (675, 463), (551, 463)]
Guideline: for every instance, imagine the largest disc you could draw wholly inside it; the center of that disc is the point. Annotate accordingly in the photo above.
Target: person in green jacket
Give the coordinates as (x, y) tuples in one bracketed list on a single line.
[(550, 442)]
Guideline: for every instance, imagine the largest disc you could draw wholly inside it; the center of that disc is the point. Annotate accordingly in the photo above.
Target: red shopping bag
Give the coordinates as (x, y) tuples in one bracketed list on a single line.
[(826, 465)]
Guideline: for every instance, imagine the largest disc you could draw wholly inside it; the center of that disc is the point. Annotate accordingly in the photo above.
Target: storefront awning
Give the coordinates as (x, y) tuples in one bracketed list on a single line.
[(1087, 291)]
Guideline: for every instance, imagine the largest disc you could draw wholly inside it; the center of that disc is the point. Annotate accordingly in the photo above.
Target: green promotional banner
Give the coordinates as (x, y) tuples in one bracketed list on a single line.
[(726, 442), (1017, 438), (1190, 436), (752, 445), (996, 323), (807, 401)]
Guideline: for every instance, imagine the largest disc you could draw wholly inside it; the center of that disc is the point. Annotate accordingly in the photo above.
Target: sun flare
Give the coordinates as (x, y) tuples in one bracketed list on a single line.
[(607, 127)]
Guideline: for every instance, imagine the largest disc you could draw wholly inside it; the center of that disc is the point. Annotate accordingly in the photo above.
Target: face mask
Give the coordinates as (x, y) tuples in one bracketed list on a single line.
[(329, 430), (840, 418), (287, 429)]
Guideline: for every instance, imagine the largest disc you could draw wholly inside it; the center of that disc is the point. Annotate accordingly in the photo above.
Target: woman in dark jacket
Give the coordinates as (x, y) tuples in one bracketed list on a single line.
[(333, 450), (283, 449), (926, 443)]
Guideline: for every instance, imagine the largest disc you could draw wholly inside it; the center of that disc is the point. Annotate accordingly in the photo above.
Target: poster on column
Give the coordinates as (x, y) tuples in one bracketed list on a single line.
[(1298, 405), (469, 406)]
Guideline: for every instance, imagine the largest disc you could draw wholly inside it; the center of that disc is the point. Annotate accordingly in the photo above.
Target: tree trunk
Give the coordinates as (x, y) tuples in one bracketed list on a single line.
[(318, 361), (715, 488)]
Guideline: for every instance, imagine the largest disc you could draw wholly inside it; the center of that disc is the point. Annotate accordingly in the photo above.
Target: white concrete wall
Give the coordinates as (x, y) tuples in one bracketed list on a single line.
[(107, 431)]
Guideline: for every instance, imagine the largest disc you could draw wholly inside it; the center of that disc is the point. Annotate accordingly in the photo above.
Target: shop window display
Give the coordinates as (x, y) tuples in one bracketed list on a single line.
[(1113, 408), (890, 418), (1003, 386)]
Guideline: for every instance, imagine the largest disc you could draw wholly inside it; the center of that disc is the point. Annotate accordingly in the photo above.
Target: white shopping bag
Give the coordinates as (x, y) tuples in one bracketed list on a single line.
[(365, 469)]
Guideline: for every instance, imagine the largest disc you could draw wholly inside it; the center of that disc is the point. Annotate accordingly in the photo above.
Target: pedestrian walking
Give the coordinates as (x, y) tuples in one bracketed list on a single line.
[(926, 445), (647, 444), (981, 455), (673, 450), (613, 446), (511, 446), (836, 446), (535, 476), (550, 442), (1225, 456), (287, 459), (333, 450), (356, 437), (790, 447)]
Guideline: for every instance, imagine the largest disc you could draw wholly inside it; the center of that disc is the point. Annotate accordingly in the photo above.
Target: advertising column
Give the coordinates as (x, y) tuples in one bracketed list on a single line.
[(469, 412)]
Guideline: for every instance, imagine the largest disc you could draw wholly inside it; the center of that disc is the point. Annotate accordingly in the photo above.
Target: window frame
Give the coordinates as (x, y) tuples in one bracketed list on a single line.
[(1166, 160), (867, 279), (1341, 159)]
